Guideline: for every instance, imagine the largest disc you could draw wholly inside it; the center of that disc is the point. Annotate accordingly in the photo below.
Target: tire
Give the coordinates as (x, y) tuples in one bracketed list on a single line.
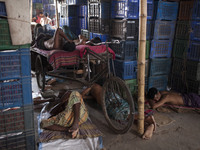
[(117, 105), (39, 71)]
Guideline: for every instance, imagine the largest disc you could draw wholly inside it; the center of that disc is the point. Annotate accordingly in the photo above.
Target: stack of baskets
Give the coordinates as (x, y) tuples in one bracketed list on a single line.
[(161, 45), (16, 109), (186, 64)]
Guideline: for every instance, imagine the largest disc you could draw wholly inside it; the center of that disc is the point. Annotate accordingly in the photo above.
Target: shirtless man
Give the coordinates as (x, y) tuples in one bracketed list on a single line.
[(159, 98), (59, 41)]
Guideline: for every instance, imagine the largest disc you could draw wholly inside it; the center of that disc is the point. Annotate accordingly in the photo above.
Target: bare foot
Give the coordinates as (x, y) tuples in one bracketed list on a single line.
[(148, 132)]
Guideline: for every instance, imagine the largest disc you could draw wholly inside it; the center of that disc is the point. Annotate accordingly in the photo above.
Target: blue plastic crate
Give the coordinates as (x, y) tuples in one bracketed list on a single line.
[(125, 50), (196, 10), (161, 48), (193, 52), (160, 66), (83, 11), (26, 140), (128, 9), (159, 82), (72, 22), (150, 28), (15, 64), (15, 93), (126, 69), (76, 2), (195, 34), (3, 9), (150, 9), (164, 30), (72, 11), (167, 10), (103, 37), (63, 21), (99, 10), (18, 120), (83, 23)]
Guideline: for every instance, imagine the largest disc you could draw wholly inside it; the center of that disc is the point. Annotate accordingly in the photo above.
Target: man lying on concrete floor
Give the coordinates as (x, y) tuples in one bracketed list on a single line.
[(68, 114), (159, 98)]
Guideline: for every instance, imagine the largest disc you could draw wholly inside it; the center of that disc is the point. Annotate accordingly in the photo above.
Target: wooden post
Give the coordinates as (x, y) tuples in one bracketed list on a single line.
[(141, 63), (57, 18), (31, 10)]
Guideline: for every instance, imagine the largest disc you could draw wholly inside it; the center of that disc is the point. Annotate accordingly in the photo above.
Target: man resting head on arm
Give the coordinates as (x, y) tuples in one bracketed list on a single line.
[(159, 98)]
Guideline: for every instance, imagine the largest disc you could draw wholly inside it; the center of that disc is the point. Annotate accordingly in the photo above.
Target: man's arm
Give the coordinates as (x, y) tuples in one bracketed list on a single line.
[(161, 102)]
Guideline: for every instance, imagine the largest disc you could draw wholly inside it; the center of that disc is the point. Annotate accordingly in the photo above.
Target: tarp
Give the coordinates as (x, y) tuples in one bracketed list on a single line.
[(18, 14)]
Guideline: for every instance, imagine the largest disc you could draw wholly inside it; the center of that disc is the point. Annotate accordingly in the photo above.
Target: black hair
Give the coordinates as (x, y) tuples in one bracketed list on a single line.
[(46, 14), (152, 92), (96, 40), (69, 46)]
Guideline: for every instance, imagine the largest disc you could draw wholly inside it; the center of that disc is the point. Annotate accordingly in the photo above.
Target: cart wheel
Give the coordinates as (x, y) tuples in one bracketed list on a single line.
[(117, 105), (40, 74)]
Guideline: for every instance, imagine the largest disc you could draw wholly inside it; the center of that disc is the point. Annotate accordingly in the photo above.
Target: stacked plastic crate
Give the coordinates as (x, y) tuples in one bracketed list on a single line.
[(37, 7), (98, 19), (16, 110), (49, 7), (161, 45), (69, 13), (181, 44), (83, 20), (193, 53), (125, 27)]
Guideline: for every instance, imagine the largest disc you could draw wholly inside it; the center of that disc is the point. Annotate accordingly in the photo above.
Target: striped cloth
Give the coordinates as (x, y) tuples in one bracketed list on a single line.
[(59, 58)]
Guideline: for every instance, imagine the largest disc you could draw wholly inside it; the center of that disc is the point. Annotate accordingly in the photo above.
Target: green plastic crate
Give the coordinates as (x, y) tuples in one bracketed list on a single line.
[(132, 85), (5, 38), (180, 48), (147, 49)]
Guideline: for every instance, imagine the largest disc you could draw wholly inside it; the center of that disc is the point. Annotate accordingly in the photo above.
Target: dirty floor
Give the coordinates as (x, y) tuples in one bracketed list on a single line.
[(175, 131)]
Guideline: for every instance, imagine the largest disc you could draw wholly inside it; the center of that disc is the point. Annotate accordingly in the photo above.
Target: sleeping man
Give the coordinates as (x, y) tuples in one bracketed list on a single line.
[(159, 98), (68, 114), (58, 42)]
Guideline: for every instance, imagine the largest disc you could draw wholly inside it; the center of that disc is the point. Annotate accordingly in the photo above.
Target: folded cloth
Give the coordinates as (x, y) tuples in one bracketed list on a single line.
[(59, 58)]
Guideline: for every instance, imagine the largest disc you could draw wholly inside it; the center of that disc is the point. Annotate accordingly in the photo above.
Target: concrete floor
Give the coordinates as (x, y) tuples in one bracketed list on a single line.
[(176, 131)]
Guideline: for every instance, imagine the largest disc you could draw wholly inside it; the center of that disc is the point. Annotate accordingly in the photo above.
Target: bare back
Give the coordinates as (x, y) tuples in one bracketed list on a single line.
[(172, 98)]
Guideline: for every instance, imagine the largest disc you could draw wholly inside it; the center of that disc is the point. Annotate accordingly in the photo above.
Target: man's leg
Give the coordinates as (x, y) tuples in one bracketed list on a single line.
[(59, 34)]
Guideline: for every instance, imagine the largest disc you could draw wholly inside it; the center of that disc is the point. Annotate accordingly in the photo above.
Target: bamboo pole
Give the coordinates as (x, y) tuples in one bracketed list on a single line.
[(57, 18), (141, 63)]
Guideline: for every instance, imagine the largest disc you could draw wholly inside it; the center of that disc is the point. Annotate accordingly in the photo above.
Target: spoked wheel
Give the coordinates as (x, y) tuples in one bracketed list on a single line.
[(40, 74), (117, 105)]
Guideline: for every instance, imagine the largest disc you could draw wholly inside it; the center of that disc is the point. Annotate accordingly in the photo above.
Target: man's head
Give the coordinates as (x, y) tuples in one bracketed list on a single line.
[(96, 40), (153, 94), (41, 14), (46, 15)]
